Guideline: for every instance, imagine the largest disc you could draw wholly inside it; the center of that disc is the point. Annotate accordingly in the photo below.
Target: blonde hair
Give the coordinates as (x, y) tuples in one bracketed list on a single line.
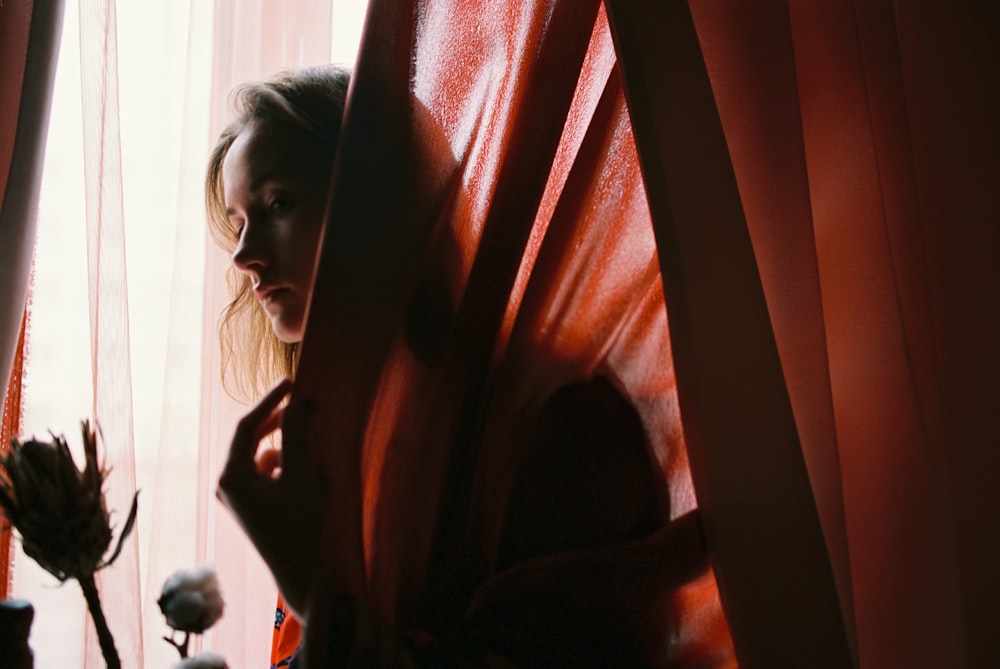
[(311, 99)]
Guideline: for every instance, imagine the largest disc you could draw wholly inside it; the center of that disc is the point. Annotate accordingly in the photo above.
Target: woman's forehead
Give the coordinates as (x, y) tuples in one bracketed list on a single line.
[(263, 148)]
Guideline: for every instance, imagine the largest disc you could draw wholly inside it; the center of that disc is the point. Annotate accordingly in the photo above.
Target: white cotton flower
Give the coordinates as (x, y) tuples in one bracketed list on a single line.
[(191, 600), (205, 660)]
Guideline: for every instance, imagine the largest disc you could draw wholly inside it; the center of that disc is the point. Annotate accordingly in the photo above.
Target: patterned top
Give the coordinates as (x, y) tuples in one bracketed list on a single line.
[(287, 637)]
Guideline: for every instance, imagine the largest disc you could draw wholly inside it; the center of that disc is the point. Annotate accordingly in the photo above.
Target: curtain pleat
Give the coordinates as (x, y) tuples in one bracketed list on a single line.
[(951, 305), (857, 154), (28, 49), (864, 145), (897, 106), (180, 494), (15, 234), (14, 39), (737, 415), (749, 56), (109, 325)]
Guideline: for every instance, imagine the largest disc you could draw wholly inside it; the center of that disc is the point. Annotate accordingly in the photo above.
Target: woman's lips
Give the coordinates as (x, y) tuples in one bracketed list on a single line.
[(268, 294)]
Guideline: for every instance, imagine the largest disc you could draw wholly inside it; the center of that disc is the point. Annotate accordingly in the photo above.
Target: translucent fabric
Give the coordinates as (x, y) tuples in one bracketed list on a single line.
[(736, 411), (473, 196), (122, 249), (825, 225), (864, 143)]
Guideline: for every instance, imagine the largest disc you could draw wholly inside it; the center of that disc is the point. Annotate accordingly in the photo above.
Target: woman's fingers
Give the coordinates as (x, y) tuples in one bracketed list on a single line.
[(258, 422), (240, 472), (268, 461), (281, 514)]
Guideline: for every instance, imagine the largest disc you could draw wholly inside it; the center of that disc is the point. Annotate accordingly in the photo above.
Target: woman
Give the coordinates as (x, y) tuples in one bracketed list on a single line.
[(266, 193), (583, 527)]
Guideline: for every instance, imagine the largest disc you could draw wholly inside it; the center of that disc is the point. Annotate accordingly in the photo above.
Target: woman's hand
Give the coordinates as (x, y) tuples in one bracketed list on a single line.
[(278, 506)]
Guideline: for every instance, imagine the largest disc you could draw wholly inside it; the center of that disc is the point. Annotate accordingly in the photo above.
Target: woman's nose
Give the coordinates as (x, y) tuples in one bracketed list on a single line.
[(252, 252)]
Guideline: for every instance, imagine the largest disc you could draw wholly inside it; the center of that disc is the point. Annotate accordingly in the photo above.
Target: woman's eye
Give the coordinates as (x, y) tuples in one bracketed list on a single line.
[(238, 231), (280, 204)]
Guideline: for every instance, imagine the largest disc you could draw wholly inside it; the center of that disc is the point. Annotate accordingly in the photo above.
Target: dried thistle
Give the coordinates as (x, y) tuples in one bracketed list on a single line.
[(62, 516)]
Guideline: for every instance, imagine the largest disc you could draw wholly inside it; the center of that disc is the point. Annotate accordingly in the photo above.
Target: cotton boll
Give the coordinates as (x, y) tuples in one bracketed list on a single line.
[(191, 600)]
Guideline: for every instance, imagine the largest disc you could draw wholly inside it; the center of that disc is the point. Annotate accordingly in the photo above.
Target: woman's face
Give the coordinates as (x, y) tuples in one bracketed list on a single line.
[(275, 180)]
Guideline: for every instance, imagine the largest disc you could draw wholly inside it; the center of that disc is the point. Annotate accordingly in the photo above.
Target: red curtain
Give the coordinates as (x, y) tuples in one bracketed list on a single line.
[(736, 412), (28, 45), (865, 146), (820, 178), (844, 178), (539, 233)]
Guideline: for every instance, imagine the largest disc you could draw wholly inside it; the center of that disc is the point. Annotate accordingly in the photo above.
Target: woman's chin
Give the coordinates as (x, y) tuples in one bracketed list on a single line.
[(289, 333)]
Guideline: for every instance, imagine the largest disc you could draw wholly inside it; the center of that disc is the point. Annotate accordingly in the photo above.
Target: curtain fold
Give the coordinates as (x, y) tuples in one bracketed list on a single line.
[(858, 197), (749, 56), (896, 159), (949, 302), (827, 167), (734, 402), (109, 324), (537, 229), (178, 494), (29, 41)]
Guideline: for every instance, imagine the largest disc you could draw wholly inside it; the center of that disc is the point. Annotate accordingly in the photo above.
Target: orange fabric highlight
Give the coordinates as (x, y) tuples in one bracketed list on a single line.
[(9, 428)]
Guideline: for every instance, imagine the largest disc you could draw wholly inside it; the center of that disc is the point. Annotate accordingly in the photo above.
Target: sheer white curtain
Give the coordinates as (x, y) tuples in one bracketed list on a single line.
[(125, 296)]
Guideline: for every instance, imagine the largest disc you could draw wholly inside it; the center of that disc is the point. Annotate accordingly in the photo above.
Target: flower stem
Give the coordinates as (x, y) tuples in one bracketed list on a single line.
[(100, 623), (181, 647)]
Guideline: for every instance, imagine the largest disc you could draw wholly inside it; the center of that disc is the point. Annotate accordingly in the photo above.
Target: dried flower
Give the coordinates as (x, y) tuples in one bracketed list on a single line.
[(191, 600), (62, 517), (59, 510), (205, 660)]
